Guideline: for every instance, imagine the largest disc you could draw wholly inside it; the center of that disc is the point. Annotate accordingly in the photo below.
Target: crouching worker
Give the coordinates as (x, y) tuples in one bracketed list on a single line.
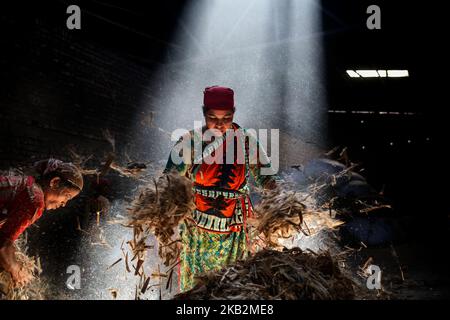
[(23, 200)]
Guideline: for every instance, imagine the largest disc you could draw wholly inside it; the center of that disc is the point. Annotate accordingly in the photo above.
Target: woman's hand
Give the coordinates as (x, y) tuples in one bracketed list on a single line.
[(20, 276), (9, 263), (271, 185)]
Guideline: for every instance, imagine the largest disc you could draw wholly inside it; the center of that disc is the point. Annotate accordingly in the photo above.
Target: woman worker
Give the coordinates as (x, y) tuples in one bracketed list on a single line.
[(216, 233), (23, 200)]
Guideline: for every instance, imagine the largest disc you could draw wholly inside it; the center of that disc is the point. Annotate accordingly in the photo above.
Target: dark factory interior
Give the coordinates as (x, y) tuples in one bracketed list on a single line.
[(135, 72)]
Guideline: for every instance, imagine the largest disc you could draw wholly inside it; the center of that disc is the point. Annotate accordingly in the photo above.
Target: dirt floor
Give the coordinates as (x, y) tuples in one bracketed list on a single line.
[(419, 272)]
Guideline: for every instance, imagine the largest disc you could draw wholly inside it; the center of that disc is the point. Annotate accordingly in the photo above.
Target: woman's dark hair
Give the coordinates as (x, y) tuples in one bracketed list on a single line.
[(71, 176)]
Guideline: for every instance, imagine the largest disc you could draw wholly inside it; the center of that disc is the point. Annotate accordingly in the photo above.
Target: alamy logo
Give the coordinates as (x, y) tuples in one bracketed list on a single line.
[(74, 280), (242, 146), (74, 20), (374, 20), (374, 279)]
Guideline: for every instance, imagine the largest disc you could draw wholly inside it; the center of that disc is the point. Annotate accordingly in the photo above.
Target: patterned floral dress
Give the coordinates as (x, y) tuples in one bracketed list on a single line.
[(216, 233)]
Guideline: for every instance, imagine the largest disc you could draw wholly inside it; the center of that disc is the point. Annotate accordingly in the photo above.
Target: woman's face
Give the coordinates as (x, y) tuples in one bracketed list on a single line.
[(220, 120), (56, 197)]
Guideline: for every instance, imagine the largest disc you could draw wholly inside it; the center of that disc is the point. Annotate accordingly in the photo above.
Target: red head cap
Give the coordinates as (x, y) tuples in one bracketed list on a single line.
[(216, 97)]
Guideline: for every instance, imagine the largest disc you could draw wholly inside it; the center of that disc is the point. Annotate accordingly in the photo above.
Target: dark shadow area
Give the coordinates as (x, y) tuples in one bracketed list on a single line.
[(399, 144)]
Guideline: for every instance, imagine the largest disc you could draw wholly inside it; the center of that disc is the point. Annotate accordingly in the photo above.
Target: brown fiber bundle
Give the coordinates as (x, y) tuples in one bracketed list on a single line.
[(278, 215), (268, 275), (33, 290), (158, 209)]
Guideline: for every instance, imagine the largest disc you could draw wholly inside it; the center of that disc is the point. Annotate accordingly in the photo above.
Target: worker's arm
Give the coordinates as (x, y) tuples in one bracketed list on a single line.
[(8, 261), (180, 158), (260, 165), (20, 218)]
